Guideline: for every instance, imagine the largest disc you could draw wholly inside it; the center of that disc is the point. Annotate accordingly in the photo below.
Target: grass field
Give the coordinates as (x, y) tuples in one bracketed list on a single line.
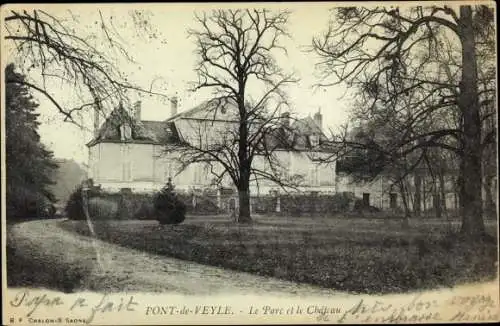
[(355, 255)]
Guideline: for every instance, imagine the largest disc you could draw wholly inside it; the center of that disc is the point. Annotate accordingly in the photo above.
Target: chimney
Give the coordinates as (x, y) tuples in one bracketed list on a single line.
[(96, 121), (173, 105), (318, 118), (137, 111)]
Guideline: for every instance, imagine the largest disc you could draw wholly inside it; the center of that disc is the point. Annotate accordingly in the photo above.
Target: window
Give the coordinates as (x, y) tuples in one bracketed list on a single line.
[(168, 171), (314, 175), (201, 173), (285, 174), (126, 163), (197, 173), (206, 172), (314, 139), (95, 171), (366, 199), (127, 170), (393, 198), (125, 132)]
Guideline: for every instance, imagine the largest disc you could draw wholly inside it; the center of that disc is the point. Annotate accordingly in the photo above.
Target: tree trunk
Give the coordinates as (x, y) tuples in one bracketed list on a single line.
[(244, 164), (460, 188), (472, 218), (442, 188), (244, 202), (406, 218), (424, 195), (490, 206), (436, 201), (417, 204)]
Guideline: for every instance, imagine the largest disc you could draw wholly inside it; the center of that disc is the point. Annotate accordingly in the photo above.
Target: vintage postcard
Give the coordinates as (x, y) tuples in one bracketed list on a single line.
[(249, 163)]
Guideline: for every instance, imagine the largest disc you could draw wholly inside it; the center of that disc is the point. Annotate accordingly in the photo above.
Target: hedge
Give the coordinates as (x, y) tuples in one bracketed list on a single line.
[(131, 205), (303, 204), (102, 209), (127, 205)]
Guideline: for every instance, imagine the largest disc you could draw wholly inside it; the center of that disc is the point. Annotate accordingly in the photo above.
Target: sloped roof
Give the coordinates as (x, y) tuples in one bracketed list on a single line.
[(205, 110), (307, 126), (189, 112), (161, 131), (302, 129), (296, 136), (143, 131)]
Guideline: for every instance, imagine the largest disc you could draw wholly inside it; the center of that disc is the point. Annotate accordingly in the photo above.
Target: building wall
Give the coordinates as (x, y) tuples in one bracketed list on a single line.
[(377, 189), (146, 167), (381, 188), (142, 167), (299, 167), (122, 165)]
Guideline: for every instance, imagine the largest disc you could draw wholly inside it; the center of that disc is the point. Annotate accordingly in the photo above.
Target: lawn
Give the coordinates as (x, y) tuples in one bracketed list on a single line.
[(356, 255), (31, 260)]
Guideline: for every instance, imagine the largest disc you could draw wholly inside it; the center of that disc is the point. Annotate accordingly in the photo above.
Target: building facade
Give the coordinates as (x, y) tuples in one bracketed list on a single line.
[(128, 152)]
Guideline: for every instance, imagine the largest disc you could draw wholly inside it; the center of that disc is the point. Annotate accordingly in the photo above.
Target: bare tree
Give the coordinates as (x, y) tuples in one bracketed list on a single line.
[(50, 47), (236, 53), (390, 54)]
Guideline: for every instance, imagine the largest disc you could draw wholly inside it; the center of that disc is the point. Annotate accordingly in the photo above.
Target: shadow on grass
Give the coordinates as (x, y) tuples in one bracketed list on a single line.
[(349, 261), (23, 271), (26, 266)]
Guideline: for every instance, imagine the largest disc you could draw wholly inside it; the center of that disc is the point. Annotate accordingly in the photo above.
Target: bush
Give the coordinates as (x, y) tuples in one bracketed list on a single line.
[(40, 207), (169, 209), (25, 203), (103, 205), (131, 205), (125, 204), (205, 204), (102, 209), (74, 206), (145, 211)]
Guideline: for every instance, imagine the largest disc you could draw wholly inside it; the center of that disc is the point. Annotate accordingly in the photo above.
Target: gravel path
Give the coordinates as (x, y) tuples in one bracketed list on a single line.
[(127, 270)]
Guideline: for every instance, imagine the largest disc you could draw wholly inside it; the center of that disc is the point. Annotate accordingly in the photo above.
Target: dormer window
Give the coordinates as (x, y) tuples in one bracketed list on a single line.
[(125, 132), (314, 140)]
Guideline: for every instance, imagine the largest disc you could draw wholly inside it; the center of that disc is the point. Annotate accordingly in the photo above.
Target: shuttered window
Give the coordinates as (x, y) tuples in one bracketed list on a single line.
[(314, 175), (126, 163)]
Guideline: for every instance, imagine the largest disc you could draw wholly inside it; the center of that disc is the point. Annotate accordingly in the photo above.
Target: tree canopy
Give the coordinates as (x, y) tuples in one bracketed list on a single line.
[(424, 74), (30, 166)]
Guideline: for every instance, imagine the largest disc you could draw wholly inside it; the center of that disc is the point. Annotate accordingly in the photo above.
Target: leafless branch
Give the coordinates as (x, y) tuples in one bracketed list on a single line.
[(48, 44)]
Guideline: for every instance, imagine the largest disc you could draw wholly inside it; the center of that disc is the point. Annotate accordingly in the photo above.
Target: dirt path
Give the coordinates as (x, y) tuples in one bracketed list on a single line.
[(125, 269)]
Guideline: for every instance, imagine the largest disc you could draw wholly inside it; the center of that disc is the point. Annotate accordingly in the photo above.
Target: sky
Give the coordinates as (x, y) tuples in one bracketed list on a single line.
[(169, 59)]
